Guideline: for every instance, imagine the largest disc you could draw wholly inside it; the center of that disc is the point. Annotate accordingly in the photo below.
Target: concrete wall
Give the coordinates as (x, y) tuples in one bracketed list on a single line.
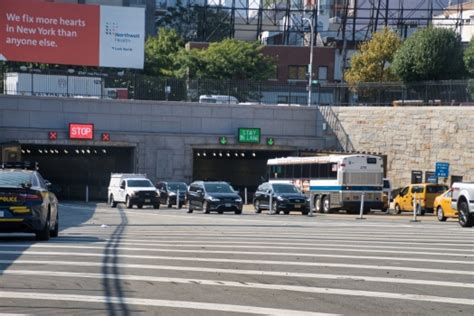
[(163, 133), (414, 138)]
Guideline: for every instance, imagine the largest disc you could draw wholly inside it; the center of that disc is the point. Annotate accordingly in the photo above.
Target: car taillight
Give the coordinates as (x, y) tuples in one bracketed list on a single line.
[(31, 197)]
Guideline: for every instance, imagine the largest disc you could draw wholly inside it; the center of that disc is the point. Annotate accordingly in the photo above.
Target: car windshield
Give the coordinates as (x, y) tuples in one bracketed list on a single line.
[(218, 188), (285, 188), (14, 178), (177, 186), (139, 183)]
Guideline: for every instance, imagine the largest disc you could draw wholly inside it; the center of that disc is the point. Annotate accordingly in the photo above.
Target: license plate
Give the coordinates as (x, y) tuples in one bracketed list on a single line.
[(297, 205), (147, 200), (228, 205), (2, 214)]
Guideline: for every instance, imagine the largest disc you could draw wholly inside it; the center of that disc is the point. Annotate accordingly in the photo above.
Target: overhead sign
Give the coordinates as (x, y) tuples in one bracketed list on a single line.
[(442, 169), (72, 34), (81, 131), (270, 141), (249, 135)]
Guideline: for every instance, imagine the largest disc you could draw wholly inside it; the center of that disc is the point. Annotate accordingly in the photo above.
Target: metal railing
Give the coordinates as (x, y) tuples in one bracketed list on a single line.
[(141, 87)]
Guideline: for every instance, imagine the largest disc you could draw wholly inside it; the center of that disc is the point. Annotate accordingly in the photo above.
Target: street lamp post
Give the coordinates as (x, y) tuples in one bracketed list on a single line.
[(310, 66)]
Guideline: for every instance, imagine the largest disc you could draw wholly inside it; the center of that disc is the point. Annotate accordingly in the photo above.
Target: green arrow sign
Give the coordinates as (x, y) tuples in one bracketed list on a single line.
[(270, 141), (223, 140)]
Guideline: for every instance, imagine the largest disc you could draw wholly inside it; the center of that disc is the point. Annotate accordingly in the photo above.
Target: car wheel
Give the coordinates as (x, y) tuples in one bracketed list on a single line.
[(326, 205), (220, 211), (256, 205), (156, 205), (440, 214), (44, 233), (140, 205), (275, 207), (286, 212), (238, 212), (190, 209), (464, 218), (112, 202), (205, 206), (397, 210), (305, 212), (128, 203), (55, 232), (317, 204)]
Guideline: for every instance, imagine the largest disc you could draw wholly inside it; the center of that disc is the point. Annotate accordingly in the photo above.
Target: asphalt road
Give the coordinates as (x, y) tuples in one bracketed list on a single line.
[(167, 262)]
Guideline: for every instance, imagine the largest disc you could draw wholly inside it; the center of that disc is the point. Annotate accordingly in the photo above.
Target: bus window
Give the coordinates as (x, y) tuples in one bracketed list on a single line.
[(333, 171), (297, 171), (314, 171), (324, 170), (306, 171), (288, 171), (276, 172), (371, 160)]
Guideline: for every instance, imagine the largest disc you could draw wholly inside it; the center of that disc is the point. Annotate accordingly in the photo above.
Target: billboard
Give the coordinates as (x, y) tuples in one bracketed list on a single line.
[(72, 34)]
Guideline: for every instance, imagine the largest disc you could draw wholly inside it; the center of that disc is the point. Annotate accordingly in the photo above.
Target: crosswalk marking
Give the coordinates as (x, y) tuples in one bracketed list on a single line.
[(239, 271), (159, 303)]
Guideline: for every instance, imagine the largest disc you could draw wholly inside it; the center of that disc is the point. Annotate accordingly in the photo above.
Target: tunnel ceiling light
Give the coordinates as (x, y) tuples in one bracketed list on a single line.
[(95, 151), (83, 151), (104, 151), (28, 151), (23, 151), (77, 151), (242, 154), (204, 154), (56, 151), (228, 154), (40, 151), (253, 154), (236, 154), (65, 151), (214, 154), (199, 154), (220, 154), (88, 151)]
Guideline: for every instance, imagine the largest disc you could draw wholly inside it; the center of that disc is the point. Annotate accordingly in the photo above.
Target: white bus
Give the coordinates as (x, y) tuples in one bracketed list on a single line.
[(333, 182)]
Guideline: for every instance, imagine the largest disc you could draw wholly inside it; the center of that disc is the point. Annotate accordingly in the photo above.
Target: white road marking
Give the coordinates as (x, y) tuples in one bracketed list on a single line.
[(234, 244), (255, 253), (264, 262), (158, 303), (250, 285), (243, 272), (324, 248)]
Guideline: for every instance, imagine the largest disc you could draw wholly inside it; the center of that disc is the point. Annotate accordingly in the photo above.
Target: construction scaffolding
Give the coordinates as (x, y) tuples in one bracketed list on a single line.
[(281, 21)]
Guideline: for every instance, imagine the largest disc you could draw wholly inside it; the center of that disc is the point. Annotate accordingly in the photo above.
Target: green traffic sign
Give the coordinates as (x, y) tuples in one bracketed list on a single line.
[(223, 140), (249, 135), (270, 141)]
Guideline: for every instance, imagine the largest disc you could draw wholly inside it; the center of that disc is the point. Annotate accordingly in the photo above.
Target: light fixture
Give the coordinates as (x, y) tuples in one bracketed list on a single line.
[(199, 154), (28, 151), (57, 151), (95, 151), (253, 154), (214, 154), (77, 151), (220, 154), (228, 154), (83, 151), (40, 151), (88, 151), (104, 151), (65, 151), (204, 154), (23, 151), (236, 154), (242, 154)]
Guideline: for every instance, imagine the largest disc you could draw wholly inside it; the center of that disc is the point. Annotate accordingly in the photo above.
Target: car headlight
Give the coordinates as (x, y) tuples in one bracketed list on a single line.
[(157, 193), (238, 200), (172, 194), (281, 199), (213, 199)]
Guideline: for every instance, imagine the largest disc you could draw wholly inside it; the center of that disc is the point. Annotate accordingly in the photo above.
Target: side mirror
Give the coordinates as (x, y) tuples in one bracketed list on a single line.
[(199, 191), (47, 184), (122, 187)]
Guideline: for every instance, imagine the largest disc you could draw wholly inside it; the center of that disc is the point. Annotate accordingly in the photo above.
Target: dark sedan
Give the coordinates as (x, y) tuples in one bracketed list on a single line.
[(213, 196), (285, 197), (27, 204), (169, 191)]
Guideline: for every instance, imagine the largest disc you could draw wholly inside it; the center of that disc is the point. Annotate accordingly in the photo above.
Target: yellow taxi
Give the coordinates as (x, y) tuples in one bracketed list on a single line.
[(424, 195), (442, 206)]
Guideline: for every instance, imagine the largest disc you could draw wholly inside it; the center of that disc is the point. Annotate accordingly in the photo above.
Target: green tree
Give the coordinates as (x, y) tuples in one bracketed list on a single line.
[(161, 51), (469, 58), (430, 54), (372, 62), (238, 60)]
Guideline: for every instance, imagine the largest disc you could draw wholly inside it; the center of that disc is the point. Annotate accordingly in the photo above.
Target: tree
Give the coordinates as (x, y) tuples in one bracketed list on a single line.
[(430, 54), (233, 59), (161, 51), (372, 62), (197, 23), (469, 58)]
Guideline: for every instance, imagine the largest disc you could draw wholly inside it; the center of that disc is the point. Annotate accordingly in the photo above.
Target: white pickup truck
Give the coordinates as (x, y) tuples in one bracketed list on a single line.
[(463, 202), (132, 189)]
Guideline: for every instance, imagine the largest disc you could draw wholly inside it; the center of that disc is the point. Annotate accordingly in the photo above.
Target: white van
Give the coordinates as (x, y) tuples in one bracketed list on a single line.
[(132, 189), (218, 99)]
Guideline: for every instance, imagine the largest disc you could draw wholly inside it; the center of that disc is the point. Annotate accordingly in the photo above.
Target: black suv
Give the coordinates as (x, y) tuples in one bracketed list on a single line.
[(169, 190), (285, 197), (213, 196)]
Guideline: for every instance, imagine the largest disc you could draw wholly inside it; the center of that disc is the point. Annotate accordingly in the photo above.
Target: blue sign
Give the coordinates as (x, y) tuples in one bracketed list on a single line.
[(442, 169)]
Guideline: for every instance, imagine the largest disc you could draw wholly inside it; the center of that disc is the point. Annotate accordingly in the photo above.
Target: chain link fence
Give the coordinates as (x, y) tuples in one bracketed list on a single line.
[(141, 87)]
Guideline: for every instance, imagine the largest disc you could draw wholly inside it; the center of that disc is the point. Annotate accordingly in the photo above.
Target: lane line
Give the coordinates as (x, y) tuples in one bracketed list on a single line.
[(157, 303), (251, 285), (244, 272), (261, 253), (355, 249), (264, 262)]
